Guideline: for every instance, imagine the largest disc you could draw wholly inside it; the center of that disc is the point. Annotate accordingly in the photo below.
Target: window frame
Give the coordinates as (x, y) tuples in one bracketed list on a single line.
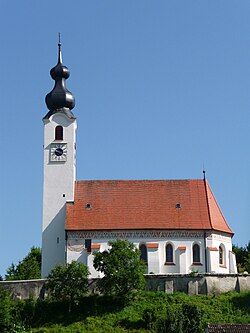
[(222, 252), (146, 252), (169, 262), (88, 244), (58, 133), (194, 255)]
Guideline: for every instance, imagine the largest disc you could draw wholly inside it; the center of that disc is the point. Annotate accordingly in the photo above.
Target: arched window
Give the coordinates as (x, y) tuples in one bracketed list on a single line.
[(169, 253), (196, 254), (144, 253), (221, 255), (59, 133)]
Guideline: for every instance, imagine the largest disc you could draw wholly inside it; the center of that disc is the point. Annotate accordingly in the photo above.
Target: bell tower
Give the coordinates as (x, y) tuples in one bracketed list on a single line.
[(59, 166)]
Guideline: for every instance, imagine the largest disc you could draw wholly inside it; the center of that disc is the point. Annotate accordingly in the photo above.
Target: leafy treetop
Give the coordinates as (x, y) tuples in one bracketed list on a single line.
[(242, 257), (122, 267), (27, 269), (68, 282)]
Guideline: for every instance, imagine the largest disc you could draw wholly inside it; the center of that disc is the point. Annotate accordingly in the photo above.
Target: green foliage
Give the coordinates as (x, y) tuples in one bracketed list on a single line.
[(191, 318), (122, 267), (162, 318), (242, 257), (28, 268), (68, 282), (194, 272), (5, 311), (154, 312)]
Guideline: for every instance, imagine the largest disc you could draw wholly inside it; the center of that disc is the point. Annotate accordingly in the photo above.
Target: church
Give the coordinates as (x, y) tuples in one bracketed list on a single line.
[(177, 225)]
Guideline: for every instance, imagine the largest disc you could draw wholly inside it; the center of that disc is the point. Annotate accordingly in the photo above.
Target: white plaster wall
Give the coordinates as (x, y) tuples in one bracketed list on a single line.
[(59, 179), (156, 257), (215, 240), (213, 266), (182, 261), (232, 263), (153, 261)]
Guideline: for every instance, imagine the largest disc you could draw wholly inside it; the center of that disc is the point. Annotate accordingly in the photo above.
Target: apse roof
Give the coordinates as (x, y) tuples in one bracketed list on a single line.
[(144, 204)]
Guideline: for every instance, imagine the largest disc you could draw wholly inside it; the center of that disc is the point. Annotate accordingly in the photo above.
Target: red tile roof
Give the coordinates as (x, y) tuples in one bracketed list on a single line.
[(144, 204)]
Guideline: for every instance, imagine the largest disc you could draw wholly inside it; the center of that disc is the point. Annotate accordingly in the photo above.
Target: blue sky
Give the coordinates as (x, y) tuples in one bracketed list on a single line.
[(161, 88)]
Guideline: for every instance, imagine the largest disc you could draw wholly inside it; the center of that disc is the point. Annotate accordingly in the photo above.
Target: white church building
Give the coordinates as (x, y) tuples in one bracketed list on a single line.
[(177, 224)]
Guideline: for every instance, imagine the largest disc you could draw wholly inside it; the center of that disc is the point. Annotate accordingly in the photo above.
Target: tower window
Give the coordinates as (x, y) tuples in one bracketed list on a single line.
[(59, 133)]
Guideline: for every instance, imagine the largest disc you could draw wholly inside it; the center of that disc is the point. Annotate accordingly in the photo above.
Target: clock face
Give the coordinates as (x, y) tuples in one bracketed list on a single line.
[(58, 152)]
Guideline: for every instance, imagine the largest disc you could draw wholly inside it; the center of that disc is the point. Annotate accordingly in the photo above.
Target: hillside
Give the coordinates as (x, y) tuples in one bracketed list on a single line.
[(147, 312)]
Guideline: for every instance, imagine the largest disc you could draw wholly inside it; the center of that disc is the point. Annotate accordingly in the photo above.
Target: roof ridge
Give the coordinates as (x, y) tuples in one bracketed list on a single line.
[(218, 206), (208, 207)]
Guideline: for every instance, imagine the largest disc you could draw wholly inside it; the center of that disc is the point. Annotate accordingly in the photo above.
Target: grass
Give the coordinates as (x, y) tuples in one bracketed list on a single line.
[(146, 313)]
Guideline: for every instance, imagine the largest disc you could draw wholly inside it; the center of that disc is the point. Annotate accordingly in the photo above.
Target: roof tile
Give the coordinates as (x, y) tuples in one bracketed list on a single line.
[(144, 204)]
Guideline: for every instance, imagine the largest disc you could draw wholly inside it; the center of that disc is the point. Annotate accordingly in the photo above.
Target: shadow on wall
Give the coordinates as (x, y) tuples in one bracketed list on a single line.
[(53, 242)]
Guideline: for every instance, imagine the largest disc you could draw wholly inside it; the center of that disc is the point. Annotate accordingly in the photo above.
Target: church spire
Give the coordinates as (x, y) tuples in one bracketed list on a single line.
[(59, 49), (60, 98)]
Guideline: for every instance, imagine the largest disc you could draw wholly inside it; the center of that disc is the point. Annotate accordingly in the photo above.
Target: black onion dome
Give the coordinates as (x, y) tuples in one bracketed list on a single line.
[(60, 97), (59, 71)]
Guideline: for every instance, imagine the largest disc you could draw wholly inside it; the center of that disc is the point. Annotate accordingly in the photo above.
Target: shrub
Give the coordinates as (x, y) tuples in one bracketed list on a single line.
[(191, 318), (68, 282), (6, 311), (122, 267)]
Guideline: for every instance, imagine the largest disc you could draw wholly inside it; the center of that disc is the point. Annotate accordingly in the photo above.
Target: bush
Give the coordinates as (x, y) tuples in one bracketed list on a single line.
[(122, 267), (68, 282), (9, 309), (191, 318)]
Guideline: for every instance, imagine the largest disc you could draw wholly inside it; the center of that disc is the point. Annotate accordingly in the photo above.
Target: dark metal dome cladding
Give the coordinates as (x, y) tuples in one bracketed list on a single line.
[(60, 97)]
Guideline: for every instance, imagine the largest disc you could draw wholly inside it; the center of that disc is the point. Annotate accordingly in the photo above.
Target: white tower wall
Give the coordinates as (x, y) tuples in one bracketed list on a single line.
[(58, 188)]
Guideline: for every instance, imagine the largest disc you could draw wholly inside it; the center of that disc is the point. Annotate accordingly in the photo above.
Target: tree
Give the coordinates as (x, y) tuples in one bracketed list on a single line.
[(242, 257), (27, 269), (68, 282), (122, 267)]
